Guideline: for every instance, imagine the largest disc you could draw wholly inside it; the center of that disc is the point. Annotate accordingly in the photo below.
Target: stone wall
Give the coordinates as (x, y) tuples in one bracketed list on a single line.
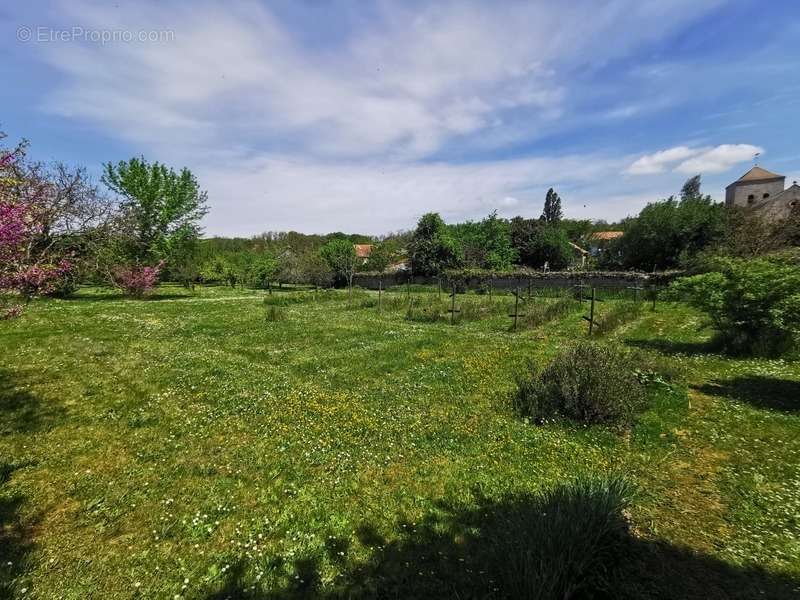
[(738, 195)]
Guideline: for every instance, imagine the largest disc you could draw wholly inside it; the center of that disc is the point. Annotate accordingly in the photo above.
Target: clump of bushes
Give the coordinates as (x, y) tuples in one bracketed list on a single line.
[(587, 382), (564, 543), (754, 304)]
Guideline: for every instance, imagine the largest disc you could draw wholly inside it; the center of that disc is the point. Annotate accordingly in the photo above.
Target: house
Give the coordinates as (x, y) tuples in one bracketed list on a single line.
[(363, 252), (763, 192)]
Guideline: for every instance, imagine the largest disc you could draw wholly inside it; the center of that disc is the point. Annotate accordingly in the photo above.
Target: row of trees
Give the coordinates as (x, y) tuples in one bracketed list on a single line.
[(496, 244)]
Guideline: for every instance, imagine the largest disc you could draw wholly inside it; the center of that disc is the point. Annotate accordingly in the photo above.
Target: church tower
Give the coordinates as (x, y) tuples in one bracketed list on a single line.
[(753, 188)]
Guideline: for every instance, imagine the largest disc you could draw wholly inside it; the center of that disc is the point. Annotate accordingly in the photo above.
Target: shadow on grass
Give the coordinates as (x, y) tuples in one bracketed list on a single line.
[(570, 544), (21, 411), (758, 391), (15, 536)]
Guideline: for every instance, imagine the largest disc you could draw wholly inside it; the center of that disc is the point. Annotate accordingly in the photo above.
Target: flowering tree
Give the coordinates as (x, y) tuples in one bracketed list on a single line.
[(25, 269)]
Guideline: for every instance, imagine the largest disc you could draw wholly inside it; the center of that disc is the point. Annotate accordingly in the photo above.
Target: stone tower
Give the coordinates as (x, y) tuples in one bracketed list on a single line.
[(753, 188)]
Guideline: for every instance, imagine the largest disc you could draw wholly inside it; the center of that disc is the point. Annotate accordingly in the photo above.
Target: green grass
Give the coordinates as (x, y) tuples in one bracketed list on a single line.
[(187, 445)]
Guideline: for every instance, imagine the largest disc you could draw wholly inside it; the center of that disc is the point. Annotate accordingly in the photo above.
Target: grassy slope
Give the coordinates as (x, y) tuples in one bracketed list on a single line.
[(147, 445)]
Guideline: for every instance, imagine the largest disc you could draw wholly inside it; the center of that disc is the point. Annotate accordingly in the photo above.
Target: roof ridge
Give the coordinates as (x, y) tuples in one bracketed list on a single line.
[(757, 173)]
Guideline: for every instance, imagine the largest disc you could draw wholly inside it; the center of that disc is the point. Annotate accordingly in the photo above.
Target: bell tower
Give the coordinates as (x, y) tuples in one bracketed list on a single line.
[(754, 187)]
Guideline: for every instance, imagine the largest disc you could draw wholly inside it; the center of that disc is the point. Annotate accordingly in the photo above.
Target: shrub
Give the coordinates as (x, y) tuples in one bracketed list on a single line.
[(587, 382), (563, 543), (754, 304), (136, 280), (39, 279)]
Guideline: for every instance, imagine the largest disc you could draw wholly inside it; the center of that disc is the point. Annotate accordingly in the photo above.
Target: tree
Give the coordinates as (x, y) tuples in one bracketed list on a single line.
[(163, 208), (578, 230), (28, 267), (487, 244), (538, 243), (433, 249), (691, 188), (670, 232), (288, 267), (315, 269), (380, 257), (222, 268), (496, 235), (262, 270), (552, 208), (340, 254), (748, 234)]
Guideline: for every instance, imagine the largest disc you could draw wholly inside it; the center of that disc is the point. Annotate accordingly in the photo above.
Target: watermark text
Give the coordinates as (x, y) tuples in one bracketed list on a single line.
[(45, 35)]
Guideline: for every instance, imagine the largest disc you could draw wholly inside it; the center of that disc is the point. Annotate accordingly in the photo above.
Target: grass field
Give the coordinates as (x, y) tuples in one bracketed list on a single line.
[(193, 445)]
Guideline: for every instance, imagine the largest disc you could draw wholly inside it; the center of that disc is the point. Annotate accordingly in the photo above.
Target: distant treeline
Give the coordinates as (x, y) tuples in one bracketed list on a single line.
[(676, 233)]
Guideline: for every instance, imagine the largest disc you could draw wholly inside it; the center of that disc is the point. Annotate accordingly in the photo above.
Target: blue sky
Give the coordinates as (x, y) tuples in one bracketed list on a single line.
[(321, 116)]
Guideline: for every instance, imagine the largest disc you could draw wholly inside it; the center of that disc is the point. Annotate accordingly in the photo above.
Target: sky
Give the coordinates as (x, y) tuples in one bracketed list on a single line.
[(322, 116)]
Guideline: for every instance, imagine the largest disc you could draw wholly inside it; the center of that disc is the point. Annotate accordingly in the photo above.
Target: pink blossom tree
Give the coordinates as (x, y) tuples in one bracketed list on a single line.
[(137, 280), (24, 271)]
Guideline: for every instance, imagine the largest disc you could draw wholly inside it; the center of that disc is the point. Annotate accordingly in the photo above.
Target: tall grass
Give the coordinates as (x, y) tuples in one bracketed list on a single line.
[(539, 311), (274, 314), (610, 317), (320, 295), (565, 543)]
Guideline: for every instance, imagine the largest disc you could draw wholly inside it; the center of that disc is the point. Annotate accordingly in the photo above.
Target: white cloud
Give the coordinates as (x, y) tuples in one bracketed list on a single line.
[(270, 192), (683, 159), (659, 162), (719, 159), (509, 201), (402, 86), (339, 134)]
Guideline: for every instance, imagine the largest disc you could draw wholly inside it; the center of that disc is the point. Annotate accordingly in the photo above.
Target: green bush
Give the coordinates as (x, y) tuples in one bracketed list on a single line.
[(587, 382), (754, 304)]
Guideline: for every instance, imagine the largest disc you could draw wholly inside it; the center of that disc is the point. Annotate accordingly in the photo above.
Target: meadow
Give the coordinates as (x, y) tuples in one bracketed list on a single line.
[(229, 443)]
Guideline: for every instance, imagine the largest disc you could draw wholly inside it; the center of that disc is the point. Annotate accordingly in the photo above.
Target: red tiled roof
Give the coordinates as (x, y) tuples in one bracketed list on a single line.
[(363, 250), (605, 235)]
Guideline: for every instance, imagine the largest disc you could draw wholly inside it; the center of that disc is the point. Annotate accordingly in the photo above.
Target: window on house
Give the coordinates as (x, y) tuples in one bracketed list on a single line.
[(765, 195), (751, 197)]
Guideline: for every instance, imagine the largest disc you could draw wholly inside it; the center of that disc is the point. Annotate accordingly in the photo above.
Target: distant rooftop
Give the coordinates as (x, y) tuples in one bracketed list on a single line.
[(605, 235)]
